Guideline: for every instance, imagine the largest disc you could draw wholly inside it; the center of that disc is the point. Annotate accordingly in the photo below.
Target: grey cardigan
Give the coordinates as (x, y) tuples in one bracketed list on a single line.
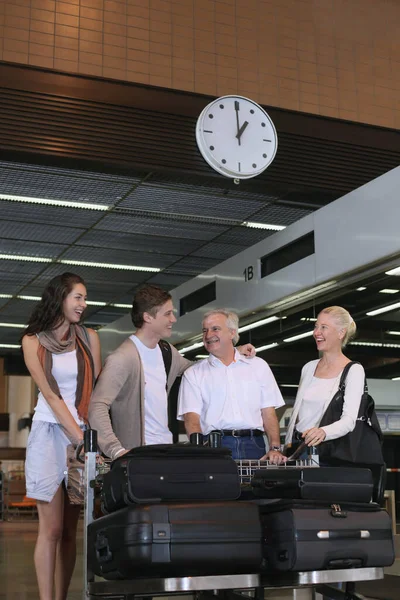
[(116, 408)]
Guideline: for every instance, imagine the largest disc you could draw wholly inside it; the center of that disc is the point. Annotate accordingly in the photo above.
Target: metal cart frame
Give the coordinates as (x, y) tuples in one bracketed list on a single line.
[(224, 587)]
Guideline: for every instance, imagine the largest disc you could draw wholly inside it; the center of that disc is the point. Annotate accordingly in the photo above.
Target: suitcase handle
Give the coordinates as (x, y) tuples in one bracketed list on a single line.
[(103, 552)]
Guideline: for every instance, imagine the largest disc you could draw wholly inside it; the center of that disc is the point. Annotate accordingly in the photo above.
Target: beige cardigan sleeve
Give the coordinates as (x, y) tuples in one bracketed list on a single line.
[(115, 373)]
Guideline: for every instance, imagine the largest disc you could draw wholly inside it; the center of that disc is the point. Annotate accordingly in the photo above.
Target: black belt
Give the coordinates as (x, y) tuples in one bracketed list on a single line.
[(298, 436), (242, 432)]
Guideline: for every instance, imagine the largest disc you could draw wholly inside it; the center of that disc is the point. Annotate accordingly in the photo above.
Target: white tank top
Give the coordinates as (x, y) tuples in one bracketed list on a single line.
[(65, 372)]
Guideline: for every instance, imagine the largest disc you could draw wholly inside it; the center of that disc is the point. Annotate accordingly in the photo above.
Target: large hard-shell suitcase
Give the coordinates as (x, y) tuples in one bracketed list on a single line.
[(325, 483), (168, 472), (305, 536), (176, 540)]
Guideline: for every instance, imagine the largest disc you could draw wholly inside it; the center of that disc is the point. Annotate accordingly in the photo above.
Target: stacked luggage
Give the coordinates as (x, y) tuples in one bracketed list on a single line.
[(175, 510)]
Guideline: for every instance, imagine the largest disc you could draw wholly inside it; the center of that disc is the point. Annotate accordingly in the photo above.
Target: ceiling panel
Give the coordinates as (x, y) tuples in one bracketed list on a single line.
[(27, 248), (279, 214), (122, 257), (159, 199), (19, 230), (137, 242), (160, 227), (192, 265), (52, 215), (244, 236), (217, 250)]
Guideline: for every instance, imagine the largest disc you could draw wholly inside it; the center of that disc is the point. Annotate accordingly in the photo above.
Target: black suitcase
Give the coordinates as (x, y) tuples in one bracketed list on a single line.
[(170, 472), (164, 540), (306, 536), (324, 483)]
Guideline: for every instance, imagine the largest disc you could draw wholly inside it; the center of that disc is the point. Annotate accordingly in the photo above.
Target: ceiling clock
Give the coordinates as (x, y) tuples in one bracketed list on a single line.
[(236, 137)]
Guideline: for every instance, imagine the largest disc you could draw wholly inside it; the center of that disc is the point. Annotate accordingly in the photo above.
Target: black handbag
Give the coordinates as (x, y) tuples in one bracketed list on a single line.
[(363, 445)]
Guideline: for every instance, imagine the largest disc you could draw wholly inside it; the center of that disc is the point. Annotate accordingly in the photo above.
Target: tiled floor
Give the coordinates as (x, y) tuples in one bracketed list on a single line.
[(18, 582)]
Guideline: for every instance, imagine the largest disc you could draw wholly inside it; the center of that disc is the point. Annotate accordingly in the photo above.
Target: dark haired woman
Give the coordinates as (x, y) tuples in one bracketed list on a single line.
[(63, 358)]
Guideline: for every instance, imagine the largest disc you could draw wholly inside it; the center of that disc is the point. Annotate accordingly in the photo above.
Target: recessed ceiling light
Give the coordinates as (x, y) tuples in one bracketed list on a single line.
[(53, 202), (393, 332), (202, 355), (10, 345), (309, 319), (375, 344), (361, 289), (395, 378), (6, 296), (388, 291), (267, 347), (395, 271), (384, 309), (258, 324), (13, 325), (79, 263), (298, 337), (192, 347), (291, 385), (256, 225)]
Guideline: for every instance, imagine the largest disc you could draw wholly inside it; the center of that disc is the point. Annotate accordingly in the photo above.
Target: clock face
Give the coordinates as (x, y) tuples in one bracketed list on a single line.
[(236, 137)]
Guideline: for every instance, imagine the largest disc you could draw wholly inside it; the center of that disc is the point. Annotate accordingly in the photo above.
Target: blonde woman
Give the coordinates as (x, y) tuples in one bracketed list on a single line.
[(319, 382)]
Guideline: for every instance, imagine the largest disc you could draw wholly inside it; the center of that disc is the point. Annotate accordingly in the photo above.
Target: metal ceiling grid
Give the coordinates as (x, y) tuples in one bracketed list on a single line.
[(217, 250), (141, 243), (167, 201), (192, 265), (28, 248), (244, 236), (122, 257), (17, 311), (10, 336), (52, 215), (36, 232), (107, 277), (167, 281), (160, 227), (278, 214)]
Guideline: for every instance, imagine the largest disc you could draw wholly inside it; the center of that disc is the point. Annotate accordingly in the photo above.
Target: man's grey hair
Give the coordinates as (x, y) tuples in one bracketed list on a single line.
[(232, 320)]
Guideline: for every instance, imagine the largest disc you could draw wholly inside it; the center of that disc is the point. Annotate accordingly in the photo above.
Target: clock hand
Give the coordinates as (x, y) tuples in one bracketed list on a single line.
[(241, 130), (237, 120)]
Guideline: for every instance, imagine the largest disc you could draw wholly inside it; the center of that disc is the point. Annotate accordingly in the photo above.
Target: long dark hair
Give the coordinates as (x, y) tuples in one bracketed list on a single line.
[(49, 313)]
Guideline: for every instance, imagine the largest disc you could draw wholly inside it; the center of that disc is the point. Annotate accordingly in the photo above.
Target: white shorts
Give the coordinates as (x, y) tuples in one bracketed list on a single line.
[(46, 460)]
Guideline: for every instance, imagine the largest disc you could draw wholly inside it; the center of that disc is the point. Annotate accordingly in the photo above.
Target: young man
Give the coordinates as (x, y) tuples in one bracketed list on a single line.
[(129, 405), (230, 394)]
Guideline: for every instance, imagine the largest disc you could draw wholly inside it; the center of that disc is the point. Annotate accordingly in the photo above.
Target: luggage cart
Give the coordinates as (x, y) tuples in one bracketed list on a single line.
[(304, 586)]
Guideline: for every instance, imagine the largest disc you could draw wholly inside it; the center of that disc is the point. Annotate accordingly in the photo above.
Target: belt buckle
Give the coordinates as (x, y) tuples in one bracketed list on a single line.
[(234, 433)]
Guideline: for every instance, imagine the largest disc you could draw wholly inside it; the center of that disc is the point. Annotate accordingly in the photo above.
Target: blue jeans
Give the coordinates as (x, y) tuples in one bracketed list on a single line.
[(250, 447)]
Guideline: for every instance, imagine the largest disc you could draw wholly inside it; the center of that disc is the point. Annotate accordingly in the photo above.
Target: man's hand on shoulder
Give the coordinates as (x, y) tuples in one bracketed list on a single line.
[(247, 350)]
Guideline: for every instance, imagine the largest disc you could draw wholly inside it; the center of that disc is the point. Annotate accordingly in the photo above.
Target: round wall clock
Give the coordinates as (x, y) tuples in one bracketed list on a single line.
[(236, 137)]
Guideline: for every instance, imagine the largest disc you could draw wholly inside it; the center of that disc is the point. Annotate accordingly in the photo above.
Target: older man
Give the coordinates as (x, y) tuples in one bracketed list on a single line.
[(231, 394)]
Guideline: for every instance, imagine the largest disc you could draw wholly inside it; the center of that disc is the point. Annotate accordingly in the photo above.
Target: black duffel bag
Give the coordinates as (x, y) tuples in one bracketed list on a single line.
[(170, 472)]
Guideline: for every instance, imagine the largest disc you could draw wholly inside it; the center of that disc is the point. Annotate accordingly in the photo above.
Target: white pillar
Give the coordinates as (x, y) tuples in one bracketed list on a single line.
[(19, 398)]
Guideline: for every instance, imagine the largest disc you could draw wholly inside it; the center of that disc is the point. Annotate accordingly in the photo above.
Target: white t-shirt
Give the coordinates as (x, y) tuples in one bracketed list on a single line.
[(314, 401), (65, 372), (228, 397), (155, 394)]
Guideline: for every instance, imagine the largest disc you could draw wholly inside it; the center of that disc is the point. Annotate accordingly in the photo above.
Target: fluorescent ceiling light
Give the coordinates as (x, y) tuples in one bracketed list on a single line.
[(384, 309), (361, 289), (95, 303), (388, 291), (299, 336), (291, 385), (202, 355), (375, 344), (52, 202), (6, 296), (255, 225), (121, 305), (79, 263), (395, 271), (393, 332), (258, 324), (309, 319), (13, 325), (192, 347), (267, 347), (34, 298), (38, 259), (395, 378), (84, 263), (10, 345)]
